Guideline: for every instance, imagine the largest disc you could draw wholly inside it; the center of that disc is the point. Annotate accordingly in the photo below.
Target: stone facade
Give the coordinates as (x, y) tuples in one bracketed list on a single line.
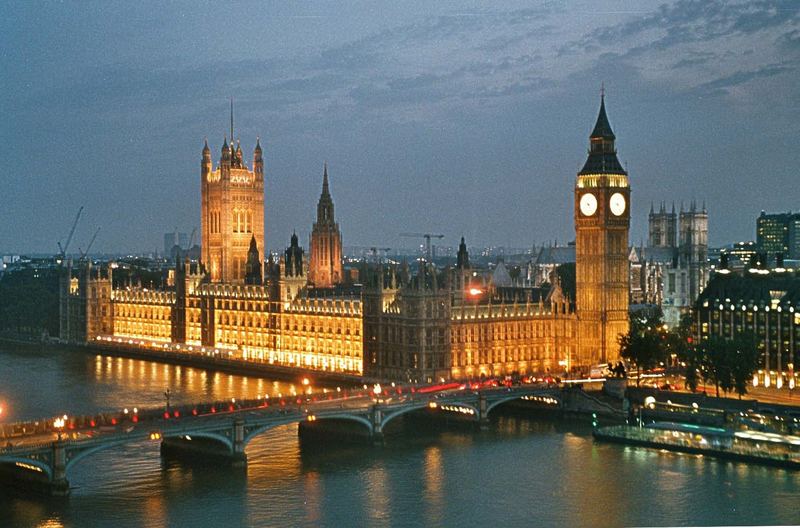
[(602, 220), (232, 211), (430, 325), (325, 268)]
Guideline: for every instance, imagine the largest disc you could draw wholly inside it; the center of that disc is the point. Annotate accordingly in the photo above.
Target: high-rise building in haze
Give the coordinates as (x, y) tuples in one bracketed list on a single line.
[(778, 233)]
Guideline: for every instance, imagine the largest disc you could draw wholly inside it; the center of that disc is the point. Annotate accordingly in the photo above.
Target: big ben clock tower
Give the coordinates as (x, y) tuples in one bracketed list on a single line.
[(602, 219)]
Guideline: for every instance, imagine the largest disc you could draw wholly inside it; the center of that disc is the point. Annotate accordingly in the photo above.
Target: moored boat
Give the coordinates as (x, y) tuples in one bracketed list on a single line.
[(747, 446)]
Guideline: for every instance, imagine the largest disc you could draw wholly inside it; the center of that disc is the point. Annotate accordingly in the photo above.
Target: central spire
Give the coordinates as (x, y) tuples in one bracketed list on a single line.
[(602, 129), (325, 204), (232, 136), (325, 190)]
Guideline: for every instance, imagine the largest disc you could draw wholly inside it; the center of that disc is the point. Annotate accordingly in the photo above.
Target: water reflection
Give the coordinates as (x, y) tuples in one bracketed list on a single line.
[(129, 382), (433, 486), (522, 472)]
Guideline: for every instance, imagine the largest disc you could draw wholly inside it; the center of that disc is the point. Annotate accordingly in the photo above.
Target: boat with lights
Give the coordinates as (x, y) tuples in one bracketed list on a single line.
[(742, 445)]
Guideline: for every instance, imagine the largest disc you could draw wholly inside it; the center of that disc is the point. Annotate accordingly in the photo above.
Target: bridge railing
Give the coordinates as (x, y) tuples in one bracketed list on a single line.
[(14, 432)]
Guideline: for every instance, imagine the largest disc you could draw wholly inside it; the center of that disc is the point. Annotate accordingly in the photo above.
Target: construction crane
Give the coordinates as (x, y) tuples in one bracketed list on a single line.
[(427, 237), (62, 251), (89, 247)]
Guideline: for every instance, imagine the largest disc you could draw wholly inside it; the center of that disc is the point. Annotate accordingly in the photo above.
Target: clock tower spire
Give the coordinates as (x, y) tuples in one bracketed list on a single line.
[(602, 220)]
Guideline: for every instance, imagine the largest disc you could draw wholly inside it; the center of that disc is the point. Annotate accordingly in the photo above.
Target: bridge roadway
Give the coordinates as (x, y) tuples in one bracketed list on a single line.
[(223, 429)]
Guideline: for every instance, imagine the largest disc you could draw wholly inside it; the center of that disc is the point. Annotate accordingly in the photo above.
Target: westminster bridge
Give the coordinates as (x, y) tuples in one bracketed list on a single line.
[(41, 453)]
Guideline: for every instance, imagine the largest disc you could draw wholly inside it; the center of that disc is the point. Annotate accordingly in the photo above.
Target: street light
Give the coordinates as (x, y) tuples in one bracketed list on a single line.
[(58, 423)]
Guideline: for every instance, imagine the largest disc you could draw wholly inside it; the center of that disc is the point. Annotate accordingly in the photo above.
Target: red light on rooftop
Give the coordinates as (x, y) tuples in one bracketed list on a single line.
[(213, 409), (135, 419), (113, 421), (194, 412), (92, 423), (166, 417), (177, 414)]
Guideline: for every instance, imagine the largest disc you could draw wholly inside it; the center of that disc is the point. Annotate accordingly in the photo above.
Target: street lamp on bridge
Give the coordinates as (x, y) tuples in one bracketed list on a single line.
[(59, 423)]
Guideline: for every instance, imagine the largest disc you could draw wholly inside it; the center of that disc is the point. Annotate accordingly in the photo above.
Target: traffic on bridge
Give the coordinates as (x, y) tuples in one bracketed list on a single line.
[(41, 452)]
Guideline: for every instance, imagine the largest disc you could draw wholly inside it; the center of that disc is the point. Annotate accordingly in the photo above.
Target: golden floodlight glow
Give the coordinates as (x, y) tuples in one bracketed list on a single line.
[(28, 466)]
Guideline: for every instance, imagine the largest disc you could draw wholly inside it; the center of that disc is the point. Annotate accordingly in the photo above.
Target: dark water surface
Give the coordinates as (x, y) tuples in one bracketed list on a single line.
[(524, 472)]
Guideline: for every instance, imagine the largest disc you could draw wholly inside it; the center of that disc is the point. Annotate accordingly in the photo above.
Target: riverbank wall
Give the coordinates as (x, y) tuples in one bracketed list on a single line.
[(198, 360)]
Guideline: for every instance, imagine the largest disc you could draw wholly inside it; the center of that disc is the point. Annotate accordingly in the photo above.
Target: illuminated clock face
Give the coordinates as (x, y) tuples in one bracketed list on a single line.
[(588, 204), (617, 204)]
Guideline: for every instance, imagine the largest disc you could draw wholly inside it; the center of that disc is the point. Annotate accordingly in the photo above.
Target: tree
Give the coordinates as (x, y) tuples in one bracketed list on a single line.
[(716, 362), (693, 361), (728, 363), (744, 349), (679, 339), (643, 344)]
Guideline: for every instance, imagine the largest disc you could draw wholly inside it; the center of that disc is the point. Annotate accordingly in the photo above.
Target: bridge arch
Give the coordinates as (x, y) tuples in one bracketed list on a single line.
[(255, 431), (43, 466), (388, 417), (219, 438), (78, 455), (348, 417), (511, 397)]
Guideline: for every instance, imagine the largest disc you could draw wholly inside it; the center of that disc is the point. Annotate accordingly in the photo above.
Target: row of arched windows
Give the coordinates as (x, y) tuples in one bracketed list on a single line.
[(242, 221)]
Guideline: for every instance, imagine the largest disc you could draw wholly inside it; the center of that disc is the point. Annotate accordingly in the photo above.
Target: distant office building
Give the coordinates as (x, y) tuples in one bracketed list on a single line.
[(175, 239), (743, 252), (778, 233)]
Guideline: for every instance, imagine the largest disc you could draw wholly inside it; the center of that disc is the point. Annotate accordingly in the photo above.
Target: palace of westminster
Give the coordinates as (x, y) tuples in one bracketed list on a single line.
[(386, 321)]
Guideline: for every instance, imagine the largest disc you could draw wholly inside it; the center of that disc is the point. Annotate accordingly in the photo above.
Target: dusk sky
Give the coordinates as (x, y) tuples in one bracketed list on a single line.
[(464, 118)]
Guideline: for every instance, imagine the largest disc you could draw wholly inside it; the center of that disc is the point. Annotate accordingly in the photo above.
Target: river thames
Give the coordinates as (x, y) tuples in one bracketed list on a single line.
[(523, 472)]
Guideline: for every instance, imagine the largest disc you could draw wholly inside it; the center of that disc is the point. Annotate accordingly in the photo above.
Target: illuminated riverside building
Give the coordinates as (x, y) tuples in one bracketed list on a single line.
[(439, 325), (232, 210), (325, 269), (602, 220), (763, 301), (393, 324)]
